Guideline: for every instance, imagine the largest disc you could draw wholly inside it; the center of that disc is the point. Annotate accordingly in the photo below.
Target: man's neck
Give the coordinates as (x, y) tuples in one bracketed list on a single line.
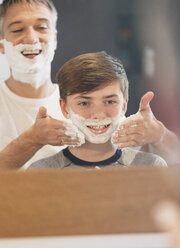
[(94, 152), (28, 91)]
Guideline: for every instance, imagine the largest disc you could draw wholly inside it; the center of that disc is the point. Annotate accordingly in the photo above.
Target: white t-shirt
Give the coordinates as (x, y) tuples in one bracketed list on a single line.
[(17, 114)]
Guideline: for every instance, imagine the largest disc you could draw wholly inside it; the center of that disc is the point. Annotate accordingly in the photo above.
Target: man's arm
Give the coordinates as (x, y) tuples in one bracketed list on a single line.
[(143, 129), (45, 130), (167, 147), (18, 152)]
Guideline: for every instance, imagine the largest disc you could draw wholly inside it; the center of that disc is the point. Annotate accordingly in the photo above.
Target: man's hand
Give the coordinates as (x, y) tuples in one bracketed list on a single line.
[(141, 128), (47, 130)]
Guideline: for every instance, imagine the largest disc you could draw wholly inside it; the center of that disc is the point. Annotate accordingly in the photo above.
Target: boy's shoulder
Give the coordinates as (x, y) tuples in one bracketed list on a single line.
[(132, 157), (57, 160)]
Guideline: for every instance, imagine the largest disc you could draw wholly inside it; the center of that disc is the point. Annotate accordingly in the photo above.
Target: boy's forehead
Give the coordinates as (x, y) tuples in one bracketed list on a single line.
[(112, 88)]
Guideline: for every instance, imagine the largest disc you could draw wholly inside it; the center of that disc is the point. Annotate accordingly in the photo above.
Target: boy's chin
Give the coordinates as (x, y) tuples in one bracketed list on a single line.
[(97, 140)]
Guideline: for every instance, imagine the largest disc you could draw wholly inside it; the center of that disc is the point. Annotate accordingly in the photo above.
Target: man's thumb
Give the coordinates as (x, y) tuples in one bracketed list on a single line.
[(145, 100), (42, 113)]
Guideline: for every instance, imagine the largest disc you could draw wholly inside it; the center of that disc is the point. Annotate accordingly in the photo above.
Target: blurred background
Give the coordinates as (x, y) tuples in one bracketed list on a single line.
[(144, 34)]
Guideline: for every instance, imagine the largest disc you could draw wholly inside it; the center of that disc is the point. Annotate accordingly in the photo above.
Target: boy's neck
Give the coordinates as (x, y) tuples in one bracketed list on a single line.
[(27, 91), (94, 152)]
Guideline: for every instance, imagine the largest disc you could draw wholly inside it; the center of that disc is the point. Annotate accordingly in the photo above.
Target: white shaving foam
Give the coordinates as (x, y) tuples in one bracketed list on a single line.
[(73, 132), (115, 133), (31, 71), (82, 123)]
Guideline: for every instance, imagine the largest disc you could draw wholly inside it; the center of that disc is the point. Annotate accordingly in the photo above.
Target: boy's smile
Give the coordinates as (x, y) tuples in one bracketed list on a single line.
[(99, 129)]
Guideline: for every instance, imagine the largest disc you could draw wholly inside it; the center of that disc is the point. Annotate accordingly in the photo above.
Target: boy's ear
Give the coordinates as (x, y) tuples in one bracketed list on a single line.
[(1, 46), (63, 108), (124, 109)]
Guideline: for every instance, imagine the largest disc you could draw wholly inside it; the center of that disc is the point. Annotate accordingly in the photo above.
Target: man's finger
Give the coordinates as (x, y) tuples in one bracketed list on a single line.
[(145, 100), (42, 113)]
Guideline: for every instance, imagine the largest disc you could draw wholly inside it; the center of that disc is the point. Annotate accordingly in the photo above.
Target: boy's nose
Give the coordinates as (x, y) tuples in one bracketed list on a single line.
[(31, 37), (98, 113)]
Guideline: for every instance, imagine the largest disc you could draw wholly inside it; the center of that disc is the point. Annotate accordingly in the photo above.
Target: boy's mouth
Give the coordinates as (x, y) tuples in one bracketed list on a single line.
[(98, 129), (30, 54)]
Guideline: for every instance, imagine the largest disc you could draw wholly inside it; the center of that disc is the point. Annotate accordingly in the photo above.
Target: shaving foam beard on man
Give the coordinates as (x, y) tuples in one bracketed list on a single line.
[(33, 71), (82, 123)]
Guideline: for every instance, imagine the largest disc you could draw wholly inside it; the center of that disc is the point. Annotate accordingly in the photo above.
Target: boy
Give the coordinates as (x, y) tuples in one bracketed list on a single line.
[(94, 95)]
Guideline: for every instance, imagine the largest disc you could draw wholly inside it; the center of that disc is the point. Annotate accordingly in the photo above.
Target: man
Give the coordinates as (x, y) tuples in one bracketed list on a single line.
[(94, 94), (28, 33)]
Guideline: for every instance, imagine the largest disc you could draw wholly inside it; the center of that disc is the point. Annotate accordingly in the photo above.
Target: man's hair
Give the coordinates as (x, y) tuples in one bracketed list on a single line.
[(89, 72), (7, 3)]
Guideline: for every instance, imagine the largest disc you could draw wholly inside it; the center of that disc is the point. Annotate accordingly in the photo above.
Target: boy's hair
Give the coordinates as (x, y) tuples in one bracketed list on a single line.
[(7, 3), (89, 72)]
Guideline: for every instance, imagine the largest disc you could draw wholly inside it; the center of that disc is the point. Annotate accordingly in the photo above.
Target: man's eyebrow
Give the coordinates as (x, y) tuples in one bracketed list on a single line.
[(13, 23), (43, 19), (20, 22)]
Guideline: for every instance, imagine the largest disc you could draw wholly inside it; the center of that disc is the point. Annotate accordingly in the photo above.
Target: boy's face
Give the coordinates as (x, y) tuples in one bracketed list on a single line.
[(97, 114)]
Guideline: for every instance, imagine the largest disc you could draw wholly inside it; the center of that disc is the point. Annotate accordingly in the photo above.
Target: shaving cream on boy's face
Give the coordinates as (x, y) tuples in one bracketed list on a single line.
[(96, 130), (33, 71)]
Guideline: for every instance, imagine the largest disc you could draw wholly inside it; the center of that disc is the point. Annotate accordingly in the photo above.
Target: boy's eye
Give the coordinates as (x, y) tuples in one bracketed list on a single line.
[(110, 102), (83, 104)]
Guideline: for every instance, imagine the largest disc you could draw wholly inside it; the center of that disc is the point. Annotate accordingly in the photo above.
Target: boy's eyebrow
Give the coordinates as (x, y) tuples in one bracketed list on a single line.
[(109, 96), (83, 97), (88, 97)]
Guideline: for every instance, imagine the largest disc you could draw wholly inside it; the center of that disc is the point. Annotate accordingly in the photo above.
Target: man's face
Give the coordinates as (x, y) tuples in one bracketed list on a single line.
[(97, 114), (29, 42), (27, 24)]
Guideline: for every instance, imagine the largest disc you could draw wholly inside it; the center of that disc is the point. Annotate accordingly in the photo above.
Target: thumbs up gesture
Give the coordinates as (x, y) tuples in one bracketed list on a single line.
[(141, 128), (47, 130)]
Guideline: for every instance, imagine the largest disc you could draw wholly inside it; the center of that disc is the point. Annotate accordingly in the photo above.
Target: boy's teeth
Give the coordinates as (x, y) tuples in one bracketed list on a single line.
[(99, 126)]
